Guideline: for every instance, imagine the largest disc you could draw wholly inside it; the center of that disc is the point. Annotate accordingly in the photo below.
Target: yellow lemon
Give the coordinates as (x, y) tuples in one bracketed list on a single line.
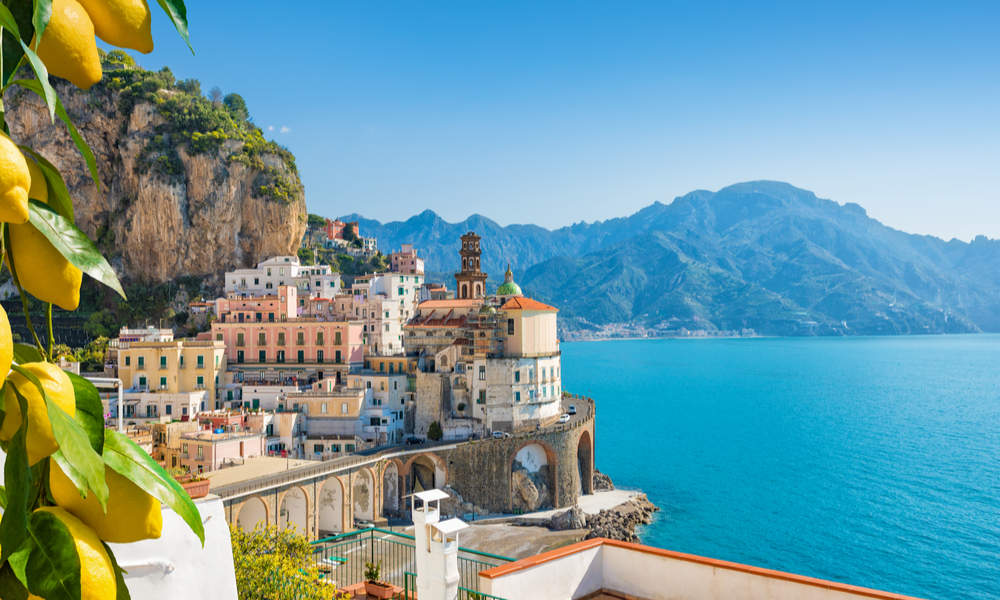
[(68, 48), (14, 182), (97, 574), (6, 345), (41, 443), (133, 514), (122, 23), (38, 189)]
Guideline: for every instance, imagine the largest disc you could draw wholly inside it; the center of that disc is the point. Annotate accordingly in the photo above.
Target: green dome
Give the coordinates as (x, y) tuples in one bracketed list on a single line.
[(487, 310), (509, 289)]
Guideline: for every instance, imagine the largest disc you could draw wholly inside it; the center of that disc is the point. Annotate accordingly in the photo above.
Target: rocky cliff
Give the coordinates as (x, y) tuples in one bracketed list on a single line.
[(188, 187)]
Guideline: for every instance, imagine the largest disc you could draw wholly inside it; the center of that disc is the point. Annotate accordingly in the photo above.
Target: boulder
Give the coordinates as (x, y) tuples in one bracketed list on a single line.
[(573, 518)]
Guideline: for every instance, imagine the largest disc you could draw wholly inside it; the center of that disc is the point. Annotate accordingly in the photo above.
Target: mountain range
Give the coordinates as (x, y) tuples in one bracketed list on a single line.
[(760, 255)]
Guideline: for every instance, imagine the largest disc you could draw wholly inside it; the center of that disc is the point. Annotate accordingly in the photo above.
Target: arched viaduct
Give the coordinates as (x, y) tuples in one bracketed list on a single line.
[(329, 497)]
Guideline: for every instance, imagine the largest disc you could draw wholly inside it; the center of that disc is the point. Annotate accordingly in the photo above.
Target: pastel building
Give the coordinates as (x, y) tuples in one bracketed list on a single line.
[(204, 451), (172, 380), (273, 273), (406, 261), (266, 342)]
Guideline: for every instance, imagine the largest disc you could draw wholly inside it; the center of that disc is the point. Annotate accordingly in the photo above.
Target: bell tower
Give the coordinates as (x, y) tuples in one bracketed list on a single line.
[(470, 282)]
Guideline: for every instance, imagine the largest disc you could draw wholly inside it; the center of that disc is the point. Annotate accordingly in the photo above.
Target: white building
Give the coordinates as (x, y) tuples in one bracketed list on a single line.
[(315, 280)]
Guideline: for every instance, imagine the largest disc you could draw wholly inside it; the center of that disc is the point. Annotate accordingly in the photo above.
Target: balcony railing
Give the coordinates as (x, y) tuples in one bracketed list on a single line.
[(163, 367), (200, 366)]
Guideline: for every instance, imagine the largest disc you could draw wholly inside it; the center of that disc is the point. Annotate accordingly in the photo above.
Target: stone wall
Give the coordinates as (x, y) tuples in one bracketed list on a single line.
[(481, 470)]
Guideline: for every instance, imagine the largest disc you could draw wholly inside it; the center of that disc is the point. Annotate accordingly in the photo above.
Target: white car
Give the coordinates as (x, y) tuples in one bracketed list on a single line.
[(564, 418), (571, 410), (500, 434)]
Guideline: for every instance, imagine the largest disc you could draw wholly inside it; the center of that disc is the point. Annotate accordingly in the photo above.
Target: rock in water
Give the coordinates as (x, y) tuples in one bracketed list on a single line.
[(173, 201)]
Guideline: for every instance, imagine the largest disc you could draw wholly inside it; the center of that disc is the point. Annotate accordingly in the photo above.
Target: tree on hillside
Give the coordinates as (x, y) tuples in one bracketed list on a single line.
[(349, 234), (190, 86), (237, 105), (434, 432), (215, 95), (316, 221)]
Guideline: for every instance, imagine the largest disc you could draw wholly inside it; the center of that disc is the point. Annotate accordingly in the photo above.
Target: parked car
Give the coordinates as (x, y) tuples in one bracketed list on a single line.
[(413, 441), (500, 434), (571, 410), (564, 418)]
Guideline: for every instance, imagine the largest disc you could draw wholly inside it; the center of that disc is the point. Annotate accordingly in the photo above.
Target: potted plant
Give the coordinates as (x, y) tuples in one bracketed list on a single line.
[(197, 487), (374, 587), (179, 474)]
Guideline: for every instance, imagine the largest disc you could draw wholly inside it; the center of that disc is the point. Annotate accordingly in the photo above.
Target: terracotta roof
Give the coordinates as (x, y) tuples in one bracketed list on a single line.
[(526, 304), (450, 303)]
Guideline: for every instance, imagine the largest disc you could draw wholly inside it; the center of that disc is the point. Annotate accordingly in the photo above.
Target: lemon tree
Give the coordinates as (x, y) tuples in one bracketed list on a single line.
[(71, 486)]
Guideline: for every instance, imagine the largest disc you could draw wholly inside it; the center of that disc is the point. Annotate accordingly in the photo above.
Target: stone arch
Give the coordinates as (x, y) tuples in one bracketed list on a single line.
[(330, 506), (293, 510), (390, 488), (364, 495), (534, 465), (465, 291), (427, 469), (479, 290), (585, 462), (252, 512)]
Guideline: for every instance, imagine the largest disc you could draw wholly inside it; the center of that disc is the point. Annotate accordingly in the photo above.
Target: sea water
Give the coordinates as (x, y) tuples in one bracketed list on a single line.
[(869, 461)]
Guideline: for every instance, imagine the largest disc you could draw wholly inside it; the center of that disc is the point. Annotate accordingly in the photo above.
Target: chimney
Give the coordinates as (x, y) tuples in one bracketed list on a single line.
[(436, 544)]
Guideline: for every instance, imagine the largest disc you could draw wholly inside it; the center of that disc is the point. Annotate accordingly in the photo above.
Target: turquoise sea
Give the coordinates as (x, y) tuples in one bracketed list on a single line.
[(870, 461)]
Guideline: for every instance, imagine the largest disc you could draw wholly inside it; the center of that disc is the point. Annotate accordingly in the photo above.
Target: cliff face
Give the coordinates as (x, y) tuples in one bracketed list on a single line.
[(208, 214)]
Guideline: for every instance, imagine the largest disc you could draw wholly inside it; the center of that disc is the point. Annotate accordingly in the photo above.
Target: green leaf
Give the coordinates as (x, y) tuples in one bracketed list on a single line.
[(19, 560), (119, 576), (128, 459), (7, 21), (17, 478), (10, 587), (40, 18), (59, 198), (177, 12), (12, 49), (74, 445), (3, 497), (73, 244), (81, 144), (24, 354), (53, 569), (48, 92), (89, 411)]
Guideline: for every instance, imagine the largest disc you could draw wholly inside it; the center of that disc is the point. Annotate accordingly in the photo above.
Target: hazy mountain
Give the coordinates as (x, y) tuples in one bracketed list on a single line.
[(762, 255)]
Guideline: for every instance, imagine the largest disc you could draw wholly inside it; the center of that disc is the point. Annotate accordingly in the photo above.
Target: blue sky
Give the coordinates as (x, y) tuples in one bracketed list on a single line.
[(556, 112)]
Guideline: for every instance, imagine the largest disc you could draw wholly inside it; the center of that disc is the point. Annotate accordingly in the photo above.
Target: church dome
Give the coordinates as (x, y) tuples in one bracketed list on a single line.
[(508, 287), (487, 310)]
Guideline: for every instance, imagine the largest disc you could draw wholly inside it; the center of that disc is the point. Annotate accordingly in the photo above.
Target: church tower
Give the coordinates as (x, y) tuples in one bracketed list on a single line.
[(471, 281)]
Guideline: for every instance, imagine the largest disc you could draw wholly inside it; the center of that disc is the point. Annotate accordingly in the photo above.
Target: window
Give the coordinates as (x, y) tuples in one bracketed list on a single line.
[(318, 448), (163, 362), (262, 356), (281, 271), (319, 356), (343, 408), (261, 339), (218, 337), (482, 373), (517, 376), (185, 448), (142, 382), (368, 384), (170, 409), (510, 326), (302, 356), (201, 451), (337, 357), (517, 396), (142, 362), (482, 397), (381, 367), (163, 382), (400, 291), (531, 374), (322, 408), (201, 381), (201, 361), (281, 338), (256, 281), (300, 338), (387, 327), (239, 339), (128, 360), (239, 356), (184, 410)]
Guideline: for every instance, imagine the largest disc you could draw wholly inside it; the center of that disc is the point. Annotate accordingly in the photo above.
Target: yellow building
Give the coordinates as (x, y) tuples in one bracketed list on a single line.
[(171, 380)]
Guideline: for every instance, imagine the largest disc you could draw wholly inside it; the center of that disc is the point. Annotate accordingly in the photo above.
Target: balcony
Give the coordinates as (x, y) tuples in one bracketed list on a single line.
[(163, 367), (180, 366), (200, 366)]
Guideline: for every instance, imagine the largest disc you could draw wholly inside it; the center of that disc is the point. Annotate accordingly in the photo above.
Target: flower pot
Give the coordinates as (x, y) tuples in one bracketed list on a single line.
[(379, 589), (197, 489), (182, 479)]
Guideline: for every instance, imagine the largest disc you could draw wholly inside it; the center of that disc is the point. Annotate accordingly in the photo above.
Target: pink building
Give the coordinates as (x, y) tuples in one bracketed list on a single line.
[(266, 341), (206, 451), (406, 261)]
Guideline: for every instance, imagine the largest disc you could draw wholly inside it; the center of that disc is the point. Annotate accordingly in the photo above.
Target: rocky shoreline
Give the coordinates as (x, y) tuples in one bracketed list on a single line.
[(618, 523)]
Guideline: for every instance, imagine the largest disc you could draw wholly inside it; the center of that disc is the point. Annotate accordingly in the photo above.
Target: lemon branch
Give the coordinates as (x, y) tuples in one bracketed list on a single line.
[(48, 318)]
